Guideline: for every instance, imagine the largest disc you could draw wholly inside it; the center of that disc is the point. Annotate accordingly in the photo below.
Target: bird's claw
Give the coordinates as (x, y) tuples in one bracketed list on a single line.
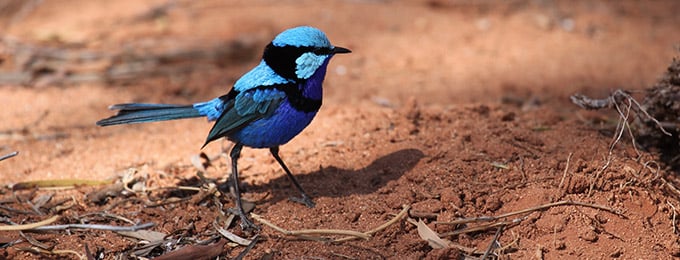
[(246, 223), (305, 200)]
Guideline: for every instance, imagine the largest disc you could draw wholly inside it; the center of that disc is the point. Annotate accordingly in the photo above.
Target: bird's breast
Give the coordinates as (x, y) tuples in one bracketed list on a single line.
[(285, 123), (290, 118)]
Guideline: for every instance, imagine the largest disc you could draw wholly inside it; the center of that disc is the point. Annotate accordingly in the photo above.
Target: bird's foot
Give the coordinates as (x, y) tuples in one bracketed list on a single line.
[(246, 224), (305, 200)]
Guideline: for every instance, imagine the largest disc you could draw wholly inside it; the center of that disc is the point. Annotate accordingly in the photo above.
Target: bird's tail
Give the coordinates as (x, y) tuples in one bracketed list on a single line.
[(133, 113)]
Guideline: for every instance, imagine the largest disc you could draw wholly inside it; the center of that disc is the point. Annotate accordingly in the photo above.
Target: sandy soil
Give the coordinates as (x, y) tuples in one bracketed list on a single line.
[(455, 109)]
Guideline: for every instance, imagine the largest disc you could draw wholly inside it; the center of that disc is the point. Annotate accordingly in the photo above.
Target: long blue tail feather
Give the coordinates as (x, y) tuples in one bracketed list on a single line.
[(133, 113)]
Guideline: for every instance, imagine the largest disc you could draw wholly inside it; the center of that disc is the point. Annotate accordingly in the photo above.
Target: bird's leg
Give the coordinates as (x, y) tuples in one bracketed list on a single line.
[(246, 223), (305, 198)]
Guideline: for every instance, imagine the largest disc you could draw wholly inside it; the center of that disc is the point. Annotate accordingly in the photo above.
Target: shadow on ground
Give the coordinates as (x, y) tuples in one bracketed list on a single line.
[(336, 182)]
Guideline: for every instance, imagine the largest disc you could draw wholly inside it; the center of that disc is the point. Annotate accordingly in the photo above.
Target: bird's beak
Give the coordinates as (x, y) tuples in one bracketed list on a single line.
[(337, 49)]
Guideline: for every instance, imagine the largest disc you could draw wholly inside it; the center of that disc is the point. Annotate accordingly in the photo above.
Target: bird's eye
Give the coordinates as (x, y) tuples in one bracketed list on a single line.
[(321, 51)]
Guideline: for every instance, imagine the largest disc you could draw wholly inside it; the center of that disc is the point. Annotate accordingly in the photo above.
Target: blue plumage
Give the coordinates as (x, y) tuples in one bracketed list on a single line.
[(211, 109), (261, 75), (302, 36), (266, 107)]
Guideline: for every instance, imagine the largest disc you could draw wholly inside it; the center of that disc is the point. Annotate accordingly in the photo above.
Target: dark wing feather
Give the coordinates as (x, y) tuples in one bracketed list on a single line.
[(246, 107)]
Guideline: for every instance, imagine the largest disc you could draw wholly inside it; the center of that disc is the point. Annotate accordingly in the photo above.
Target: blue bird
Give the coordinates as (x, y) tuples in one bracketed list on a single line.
[(266, 108)]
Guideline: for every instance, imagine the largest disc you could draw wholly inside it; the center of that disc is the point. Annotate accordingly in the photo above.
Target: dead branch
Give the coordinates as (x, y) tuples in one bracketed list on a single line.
[(350, 234), (96, 227), (532, 209), (31, 226), (9, 155)]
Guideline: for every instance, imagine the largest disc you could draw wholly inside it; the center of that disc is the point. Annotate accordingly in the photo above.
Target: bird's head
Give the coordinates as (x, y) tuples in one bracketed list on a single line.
[(298, 52)]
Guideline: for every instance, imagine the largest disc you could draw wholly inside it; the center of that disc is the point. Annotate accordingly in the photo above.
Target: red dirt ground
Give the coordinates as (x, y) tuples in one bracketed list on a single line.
[(459, 109)]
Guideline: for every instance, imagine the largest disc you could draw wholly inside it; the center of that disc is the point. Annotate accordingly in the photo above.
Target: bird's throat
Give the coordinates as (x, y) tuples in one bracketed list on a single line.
[(312, 88)]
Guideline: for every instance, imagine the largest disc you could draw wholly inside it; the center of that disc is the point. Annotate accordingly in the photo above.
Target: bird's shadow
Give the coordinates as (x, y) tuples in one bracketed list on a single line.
[(336, 182)]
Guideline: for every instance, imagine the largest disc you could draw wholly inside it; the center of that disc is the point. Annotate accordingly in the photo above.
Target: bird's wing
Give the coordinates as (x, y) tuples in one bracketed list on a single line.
[(245, 107)]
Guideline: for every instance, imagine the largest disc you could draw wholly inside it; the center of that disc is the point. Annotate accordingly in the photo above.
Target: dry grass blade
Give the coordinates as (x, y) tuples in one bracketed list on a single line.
[(66, 183), (231, 236), (432, 238), (37, 250), (96, 227), (30, 226), (243, 253), (673, 220), (144, 235), (196, 252), (493, 243), (468, 250), (303, 232), (566, 170)]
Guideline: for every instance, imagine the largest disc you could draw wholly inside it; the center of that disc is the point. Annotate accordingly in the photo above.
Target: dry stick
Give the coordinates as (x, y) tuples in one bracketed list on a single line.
[(493, 242), (96, 226), (32, 226), (620, 128), (627, 125), (537, 208), (639, 107), (250, 246), (34, 242), (396, 218), (675, 213), (52, 252), (9, 155), (304, 232), (349, 233), (566, 169), (106, 215), (613, 100), (670, 186), (481, 227), (514, 242)]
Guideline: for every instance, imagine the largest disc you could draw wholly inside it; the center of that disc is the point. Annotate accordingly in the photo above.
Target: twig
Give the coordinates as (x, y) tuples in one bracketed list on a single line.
[(481, 227), (493, 243), (34, 242), (303, 232), (639, 108), (38, 250), (671, 186), (31, 226), (620, 128), (566, 169), (9, 155), (675, 214), (250, 246), (348, 233), (613, 100), (107, 215), (514, 242), (396, 218), (96, 227), (537, 208)]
